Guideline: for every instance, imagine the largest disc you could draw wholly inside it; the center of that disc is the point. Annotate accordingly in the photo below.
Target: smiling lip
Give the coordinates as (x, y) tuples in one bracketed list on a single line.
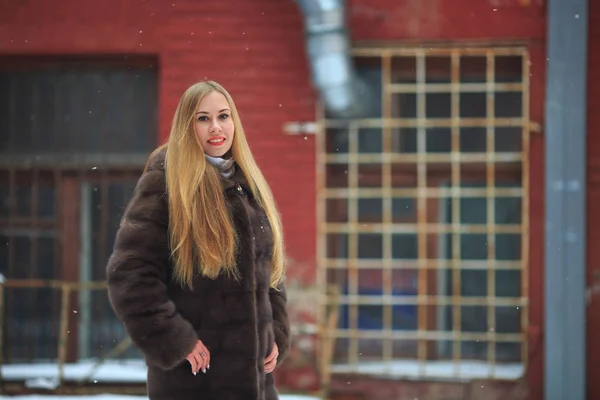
[(217, 141)]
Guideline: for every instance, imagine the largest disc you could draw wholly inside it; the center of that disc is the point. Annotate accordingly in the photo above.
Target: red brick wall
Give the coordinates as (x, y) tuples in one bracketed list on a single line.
[(253, 47), (256, 49), (441, 20)]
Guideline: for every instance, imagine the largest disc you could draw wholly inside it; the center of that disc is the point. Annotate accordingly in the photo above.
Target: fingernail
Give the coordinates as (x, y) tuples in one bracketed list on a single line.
[(204, 370), (194, 372), (208, 367)]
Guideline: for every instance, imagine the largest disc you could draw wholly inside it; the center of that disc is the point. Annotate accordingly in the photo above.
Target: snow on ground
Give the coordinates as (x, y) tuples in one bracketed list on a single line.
[(110, 371), (45, 375), (441, 370)]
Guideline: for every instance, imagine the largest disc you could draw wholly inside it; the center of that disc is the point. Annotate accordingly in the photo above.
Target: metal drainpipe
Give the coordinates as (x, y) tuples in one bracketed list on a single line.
[(328, 47), (565, 186)]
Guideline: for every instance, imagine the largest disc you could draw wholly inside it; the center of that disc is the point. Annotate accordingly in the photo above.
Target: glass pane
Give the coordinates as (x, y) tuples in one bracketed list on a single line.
[(336, 210), (370, 140), (438, 140), (404, 70), (370, 210), (473, 319), (79, 109), (473, 283), (342, 346), (337, 277), (337, 245), (437, 70), (404, 209), (508, 246), (336, 141), (404, 175), (508, 69), (336, 175), (474, 349), (509, 175), (508, 283), (439, 174), (473, 105), (405, 317), (404, 105), (370, 317), (24, 193), (508, 139), (405, 349), (473, 69), (368, 69), (508, 210), (508, 319), (439, 350), (508, 104), (404, 140), (473, 210), (369, 175), (370, 245), (370, 282), (473, 140), (473, 246), (404, 246), (405, 282), (370, 349), (508, 352), (105, 207), (438, 105)]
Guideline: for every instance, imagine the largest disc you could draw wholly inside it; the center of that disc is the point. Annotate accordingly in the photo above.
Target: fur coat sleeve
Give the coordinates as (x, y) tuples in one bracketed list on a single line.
[(137, 274), (281, 325)]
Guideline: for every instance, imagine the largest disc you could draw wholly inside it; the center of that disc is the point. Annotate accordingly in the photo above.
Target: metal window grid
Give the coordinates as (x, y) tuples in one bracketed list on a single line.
[(489, 162)]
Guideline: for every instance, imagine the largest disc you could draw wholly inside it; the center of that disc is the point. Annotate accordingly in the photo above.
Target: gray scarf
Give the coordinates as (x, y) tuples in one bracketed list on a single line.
[(226, 166)]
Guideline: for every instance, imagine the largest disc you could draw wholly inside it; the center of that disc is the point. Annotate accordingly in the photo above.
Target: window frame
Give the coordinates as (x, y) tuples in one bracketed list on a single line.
[(325, 193)]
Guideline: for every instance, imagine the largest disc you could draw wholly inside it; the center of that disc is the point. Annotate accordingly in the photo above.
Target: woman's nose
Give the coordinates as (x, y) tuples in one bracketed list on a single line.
[(214, 126)]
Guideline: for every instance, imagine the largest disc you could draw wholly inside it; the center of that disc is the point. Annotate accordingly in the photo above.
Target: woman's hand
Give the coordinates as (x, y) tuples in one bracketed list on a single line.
[(199, 358), (271, 360)]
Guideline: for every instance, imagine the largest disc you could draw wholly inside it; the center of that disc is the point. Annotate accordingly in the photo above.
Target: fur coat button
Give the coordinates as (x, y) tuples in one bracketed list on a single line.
[(239, 189)]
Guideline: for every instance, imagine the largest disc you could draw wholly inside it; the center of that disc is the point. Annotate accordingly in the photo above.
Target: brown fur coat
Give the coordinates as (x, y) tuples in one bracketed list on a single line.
[(237, 321)]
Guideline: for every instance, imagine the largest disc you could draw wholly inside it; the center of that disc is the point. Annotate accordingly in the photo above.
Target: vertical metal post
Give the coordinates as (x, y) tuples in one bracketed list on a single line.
[(565, 186), (85, 271)]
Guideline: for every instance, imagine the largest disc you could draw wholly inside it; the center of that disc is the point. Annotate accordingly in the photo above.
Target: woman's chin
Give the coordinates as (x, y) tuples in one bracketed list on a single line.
[(216, 152)]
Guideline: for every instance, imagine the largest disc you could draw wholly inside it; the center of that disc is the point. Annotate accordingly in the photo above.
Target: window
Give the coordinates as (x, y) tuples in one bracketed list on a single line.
[(59, 111), (69, 160), (424, 217)]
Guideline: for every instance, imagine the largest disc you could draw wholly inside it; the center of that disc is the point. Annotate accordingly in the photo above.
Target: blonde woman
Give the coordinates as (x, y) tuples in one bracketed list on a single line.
[(197, 270)]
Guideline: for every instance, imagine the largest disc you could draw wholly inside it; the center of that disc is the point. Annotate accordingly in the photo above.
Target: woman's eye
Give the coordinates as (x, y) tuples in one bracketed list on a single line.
[(224, 116), (202, 118)]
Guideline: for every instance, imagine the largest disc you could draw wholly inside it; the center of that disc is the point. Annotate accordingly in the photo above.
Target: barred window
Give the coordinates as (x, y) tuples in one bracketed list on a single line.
[(423, 216)]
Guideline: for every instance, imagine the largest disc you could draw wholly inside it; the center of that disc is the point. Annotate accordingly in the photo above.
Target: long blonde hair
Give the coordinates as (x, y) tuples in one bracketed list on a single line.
[(201, 231)]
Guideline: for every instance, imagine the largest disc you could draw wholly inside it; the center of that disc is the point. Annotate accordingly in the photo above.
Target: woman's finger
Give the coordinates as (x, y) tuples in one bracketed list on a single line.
[(204, 355), (198, 363), (207, 357), (270, 358), (270, 366), (273, 355), (192, 360)]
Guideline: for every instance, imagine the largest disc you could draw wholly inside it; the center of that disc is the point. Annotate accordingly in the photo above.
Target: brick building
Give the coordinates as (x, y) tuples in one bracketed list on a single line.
[(426, 214)]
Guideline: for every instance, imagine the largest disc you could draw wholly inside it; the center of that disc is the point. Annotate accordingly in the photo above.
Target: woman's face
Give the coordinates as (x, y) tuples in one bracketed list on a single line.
[(214, 125)]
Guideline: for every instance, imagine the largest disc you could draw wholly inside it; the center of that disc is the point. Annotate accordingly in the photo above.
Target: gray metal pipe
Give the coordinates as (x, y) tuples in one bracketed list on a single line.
[(565, 186), (328, 48)]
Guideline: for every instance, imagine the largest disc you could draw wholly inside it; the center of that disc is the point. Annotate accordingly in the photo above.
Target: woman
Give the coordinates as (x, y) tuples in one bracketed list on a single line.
[(197, 270)]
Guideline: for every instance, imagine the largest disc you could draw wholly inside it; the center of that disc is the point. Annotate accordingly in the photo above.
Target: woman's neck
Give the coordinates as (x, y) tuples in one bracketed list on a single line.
[(225, 166)]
